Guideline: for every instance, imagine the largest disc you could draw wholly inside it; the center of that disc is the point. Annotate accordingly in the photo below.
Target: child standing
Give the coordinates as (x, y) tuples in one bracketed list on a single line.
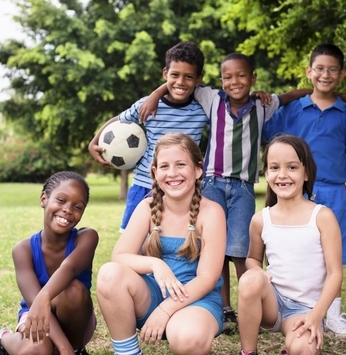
[(231, 160), (53, 270), (177, 112), (320, 119), (171, 288), (292, 295)]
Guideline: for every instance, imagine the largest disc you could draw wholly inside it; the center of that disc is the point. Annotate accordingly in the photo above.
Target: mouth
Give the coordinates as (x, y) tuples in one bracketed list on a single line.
[(179, 91), (62, 220), (284, 184), (235, 90), (174, 183), (324, 82)]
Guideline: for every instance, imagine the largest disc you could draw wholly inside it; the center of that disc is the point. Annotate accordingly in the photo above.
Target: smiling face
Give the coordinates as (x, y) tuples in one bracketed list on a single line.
[(175, 172), (237, 79), (181, 80), (285, 173), (64, 207), (325, 73)]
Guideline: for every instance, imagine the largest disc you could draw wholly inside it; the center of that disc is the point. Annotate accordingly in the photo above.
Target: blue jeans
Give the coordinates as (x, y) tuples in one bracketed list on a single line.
[(237, 198)]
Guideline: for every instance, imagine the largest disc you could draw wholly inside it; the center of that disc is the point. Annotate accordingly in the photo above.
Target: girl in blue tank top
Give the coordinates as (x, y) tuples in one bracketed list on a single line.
[(164, 277), (53, 270)]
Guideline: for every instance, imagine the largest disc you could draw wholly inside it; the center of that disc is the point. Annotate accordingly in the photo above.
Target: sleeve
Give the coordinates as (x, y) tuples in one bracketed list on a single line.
[(132, 113), (205, 95), (275, 125)]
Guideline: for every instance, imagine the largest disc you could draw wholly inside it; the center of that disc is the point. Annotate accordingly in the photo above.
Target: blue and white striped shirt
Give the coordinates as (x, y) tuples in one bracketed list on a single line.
[(188, 118)]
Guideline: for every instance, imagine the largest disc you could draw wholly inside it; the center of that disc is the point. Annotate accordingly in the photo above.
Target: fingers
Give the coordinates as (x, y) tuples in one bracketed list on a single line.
[(150, 336), (35, 330), (176, 290)]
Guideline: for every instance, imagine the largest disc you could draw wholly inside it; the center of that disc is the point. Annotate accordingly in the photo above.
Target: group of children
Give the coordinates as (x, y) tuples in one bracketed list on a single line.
[(164, 273)]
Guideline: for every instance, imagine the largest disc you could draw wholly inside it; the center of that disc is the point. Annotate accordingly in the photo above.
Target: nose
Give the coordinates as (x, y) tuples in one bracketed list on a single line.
[(67, 208), (172, 171), (282, 173)]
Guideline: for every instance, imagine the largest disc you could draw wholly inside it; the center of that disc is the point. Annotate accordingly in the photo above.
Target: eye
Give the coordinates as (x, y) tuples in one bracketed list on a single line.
[(333, 71), (181, 164), (189, 77), (292, 167), (60, 200), (78, 208), (274, 167)]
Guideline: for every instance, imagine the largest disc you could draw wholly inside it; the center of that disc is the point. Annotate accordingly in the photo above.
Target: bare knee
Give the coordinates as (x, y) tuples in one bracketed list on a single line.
[(76, 294), (300, 346), (250, 283), (189, 343), (110, 279)]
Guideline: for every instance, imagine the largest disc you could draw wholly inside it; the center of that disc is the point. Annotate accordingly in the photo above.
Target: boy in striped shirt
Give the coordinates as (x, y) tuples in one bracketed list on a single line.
[(177, 112)]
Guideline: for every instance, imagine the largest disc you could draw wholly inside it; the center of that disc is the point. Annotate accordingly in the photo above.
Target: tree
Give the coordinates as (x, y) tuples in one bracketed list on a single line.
[(287, 31)]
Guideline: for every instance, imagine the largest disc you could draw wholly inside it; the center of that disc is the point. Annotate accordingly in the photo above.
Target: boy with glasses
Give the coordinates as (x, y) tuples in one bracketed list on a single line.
[(320, 119)]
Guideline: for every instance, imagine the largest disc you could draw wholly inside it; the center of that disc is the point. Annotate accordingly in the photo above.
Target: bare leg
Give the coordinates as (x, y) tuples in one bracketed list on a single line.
[(74, 300), (295, 345), (257, 305), (122, 295), (191, 331)]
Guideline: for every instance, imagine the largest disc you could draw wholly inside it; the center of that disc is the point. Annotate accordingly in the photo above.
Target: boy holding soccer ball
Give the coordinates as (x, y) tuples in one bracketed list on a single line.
[(177, 112)]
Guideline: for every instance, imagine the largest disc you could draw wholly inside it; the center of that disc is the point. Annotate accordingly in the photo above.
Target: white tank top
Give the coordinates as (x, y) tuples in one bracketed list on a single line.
[(296, 259)]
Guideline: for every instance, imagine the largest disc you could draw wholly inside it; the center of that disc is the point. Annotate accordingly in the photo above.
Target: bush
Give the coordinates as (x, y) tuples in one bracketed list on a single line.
[(23, 161)]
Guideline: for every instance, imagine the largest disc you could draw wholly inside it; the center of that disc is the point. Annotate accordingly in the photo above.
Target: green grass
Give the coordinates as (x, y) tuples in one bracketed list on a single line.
[(21, 216)]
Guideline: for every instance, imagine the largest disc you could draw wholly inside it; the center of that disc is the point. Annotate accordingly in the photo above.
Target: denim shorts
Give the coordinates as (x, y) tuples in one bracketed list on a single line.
[(237, 198), (135, 195), (212, 302), (286, 308), (334, 197)]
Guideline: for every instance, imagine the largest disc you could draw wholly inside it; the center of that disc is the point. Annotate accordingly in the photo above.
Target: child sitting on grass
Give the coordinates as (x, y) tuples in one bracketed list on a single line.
[(53, 271)]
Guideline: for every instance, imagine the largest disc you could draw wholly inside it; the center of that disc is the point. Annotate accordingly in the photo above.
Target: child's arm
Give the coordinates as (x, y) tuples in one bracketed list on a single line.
[(95, 150), (210, 263), (149, 106), (80, 259), (294, 95), (332, 250)]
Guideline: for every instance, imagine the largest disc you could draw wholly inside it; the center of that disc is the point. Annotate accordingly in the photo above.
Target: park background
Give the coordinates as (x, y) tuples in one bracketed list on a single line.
[(71, 65)]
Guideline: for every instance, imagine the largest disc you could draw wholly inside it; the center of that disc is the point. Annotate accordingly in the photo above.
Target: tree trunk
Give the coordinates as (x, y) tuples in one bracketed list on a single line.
[(124, 184)]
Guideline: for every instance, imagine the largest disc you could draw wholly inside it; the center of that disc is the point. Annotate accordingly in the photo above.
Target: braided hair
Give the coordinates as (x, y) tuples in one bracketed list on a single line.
[(53, 181), (191, 247)]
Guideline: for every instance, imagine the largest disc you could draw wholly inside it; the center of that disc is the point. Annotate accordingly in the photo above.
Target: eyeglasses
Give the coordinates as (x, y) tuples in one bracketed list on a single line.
[(330, 71)]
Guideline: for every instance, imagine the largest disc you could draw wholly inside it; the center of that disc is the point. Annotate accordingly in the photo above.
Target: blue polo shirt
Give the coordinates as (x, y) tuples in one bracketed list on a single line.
[(324, 131)]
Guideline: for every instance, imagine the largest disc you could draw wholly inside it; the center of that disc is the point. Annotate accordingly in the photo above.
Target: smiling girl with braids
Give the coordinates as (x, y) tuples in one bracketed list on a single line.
[(164, 277)]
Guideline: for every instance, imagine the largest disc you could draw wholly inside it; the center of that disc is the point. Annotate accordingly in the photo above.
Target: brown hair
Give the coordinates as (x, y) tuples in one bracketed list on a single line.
[(305, 156), (191, 248)]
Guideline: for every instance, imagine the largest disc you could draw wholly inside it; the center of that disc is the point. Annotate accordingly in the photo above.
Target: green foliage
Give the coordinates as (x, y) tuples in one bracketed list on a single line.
[(23, 161)]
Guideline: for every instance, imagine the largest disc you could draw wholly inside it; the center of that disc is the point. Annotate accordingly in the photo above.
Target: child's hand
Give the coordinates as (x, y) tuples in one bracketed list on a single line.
[(313, 324), (167, 281), (154, 327), (96, 152), (265, 98), (149, 107), (36, 325)]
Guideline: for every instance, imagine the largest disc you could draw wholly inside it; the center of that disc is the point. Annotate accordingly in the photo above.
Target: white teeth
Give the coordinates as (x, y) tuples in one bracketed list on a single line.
[(62, 220), (174, 183), (180, 90)]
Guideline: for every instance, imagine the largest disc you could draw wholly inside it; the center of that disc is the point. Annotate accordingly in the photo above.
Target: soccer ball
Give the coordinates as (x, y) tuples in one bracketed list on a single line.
[(124, 143)]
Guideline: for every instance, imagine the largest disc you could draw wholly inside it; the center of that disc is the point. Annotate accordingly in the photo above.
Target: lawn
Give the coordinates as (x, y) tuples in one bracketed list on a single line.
[(21, 216)]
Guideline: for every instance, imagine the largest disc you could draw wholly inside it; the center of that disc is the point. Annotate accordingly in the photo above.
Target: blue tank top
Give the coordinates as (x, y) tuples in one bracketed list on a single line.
[(40, 267)]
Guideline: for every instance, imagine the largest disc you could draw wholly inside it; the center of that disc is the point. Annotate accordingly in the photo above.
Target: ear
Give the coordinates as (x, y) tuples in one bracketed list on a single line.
[(253, 79), (164, 73), (153, 169), (266, 176), (342, 76), (199, 80), (43, 200), (199, 171), (306, 178), (308, 71)]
